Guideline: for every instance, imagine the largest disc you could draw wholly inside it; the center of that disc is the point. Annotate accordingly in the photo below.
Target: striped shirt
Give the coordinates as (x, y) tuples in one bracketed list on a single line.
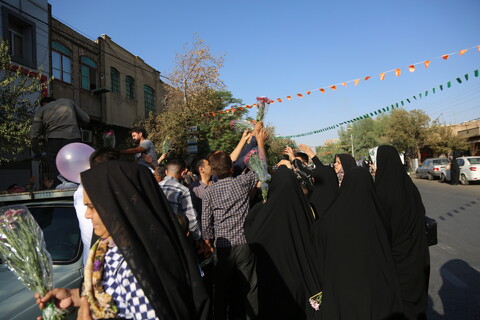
[(224, 208), (181, 202)]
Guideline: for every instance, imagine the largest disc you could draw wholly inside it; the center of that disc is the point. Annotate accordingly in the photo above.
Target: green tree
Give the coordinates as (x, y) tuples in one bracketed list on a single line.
[(363, 134), (19, 95), (192, 89), (442, 139), (407, 131)]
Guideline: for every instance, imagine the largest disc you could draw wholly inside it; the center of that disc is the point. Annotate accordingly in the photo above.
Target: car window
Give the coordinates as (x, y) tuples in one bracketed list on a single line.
[(440, 162), (474, 160), (460, 162), (61, 231)]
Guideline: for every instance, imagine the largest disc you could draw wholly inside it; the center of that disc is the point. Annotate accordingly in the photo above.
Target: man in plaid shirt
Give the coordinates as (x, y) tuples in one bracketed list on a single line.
[(179, 196), (224, 208)]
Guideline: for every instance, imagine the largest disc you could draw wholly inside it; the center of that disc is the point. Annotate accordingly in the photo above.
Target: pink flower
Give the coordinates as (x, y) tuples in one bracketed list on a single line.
[(263, 100), (315, 305)]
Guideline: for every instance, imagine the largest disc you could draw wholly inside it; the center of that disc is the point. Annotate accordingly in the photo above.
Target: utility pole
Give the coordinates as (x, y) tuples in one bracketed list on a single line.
[(353, 152), (351, 138)]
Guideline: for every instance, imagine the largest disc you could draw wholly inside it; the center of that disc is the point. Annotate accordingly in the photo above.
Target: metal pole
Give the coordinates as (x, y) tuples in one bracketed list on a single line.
[(353, 152)]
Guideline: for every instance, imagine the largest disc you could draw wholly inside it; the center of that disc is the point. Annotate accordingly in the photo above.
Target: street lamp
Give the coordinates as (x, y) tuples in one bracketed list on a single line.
[(351, 137)]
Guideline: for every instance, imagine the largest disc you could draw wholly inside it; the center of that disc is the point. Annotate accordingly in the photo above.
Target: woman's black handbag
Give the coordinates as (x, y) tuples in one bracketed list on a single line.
[(431, 228)]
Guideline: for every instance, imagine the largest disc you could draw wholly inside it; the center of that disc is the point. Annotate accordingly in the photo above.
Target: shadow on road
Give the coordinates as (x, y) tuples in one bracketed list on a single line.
[(460, 294), (458, 210)]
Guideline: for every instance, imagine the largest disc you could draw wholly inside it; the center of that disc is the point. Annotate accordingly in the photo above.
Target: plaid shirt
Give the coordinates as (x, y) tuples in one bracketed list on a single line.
[(224, 208), (120, 283), (181, 202)]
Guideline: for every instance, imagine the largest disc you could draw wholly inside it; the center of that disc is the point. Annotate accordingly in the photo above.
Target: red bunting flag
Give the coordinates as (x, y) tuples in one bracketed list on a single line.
[(411, 68), (300, 95), (382, 75), (445, 56), (356, 81), (397, 72), (462, 52), (366, 78), (289, 98), (344, 84), (322, 90), (426, 63), (308, 92), (333, 87), (279, 100)]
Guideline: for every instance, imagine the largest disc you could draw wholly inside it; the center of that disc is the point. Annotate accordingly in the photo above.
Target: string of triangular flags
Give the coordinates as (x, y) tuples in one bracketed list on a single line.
[(334, 87), (385, 109)]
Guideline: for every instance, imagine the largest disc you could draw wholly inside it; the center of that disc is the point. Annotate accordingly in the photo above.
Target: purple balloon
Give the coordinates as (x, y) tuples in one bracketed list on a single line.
[(73, 159)]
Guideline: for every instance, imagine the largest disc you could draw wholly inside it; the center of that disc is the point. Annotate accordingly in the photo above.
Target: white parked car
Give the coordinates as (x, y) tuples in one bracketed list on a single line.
[(469, 170)]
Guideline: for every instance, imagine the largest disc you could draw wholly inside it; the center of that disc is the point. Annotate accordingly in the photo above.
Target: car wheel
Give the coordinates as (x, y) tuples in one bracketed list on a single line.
[(429, 176), (443, 178), (463, 180), (417, 175)]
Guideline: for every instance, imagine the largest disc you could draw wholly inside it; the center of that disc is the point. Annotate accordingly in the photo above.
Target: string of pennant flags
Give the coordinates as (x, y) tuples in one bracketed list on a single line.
[(334, 87), (385, 109)]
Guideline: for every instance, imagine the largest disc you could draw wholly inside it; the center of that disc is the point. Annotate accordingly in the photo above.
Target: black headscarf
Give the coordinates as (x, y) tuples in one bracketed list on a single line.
[(405, 219), (325, 188), (138, 217), (347, 161), (278, 232), (357, 271)]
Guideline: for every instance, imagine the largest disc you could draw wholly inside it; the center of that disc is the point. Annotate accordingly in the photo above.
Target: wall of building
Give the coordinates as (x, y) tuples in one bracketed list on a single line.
[(120, 110), (79, 46)]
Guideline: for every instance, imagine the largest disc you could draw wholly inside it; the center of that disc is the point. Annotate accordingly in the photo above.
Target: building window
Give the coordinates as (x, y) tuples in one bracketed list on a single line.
[(89, 73), (20, 35), (149, 96), (115, 79), (130, 87), (61, 62)]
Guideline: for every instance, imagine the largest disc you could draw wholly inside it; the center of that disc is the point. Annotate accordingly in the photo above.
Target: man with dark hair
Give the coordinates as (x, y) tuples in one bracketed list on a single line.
[(198, 188), (145, 147), (57, 121), (179, 196), (224, 208)]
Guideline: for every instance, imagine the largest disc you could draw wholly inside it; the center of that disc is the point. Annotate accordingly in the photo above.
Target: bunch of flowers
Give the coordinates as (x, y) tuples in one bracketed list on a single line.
[(316, 300), (22, 248), (241, 125), (262, 104), (258, 164), (109, 139), (166, 145)]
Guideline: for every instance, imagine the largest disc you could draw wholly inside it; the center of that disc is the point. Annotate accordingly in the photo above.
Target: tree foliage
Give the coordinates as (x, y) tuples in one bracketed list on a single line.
[(194, 88), (443, 140), (408, 131), (20, 92)]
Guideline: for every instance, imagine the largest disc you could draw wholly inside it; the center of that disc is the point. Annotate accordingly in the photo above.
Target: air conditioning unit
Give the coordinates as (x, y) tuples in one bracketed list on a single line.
[(86, 135)]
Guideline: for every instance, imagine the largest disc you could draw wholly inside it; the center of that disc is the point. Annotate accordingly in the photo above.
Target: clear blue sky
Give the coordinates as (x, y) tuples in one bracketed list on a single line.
[(279, 48)]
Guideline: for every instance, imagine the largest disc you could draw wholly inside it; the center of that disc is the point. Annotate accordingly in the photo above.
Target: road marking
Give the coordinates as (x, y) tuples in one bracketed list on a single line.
[(453, 279), (447, 248)]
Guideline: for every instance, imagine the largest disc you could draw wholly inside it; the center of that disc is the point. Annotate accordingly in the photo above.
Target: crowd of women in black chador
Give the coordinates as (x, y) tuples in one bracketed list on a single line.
[(359, 242), (349, 248)]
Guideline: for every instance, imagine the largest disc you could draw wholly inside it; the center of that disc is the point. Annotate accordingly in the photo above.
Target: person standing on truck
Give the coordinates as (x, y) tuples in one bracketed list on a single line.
[(57, 121), (145, 147)]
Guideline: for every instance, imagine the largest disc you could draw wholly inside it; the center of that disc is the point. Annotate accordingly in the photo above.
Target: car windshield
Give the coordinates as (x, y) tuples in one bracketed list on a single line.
[(474, 160), (440, 162)]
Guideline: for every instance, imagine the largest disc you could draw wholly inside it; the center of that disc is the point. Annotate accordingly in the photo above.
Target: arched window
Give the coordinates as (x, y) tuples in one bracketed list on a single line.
[(115, 79), (130, 87), (61, 62), (149, 96), (89, 73)]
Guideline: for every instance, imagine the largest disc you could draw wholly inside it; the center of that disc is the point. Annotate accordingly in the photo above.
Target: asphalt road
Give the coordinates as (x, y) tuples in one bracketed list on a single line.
[(454, 290)]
